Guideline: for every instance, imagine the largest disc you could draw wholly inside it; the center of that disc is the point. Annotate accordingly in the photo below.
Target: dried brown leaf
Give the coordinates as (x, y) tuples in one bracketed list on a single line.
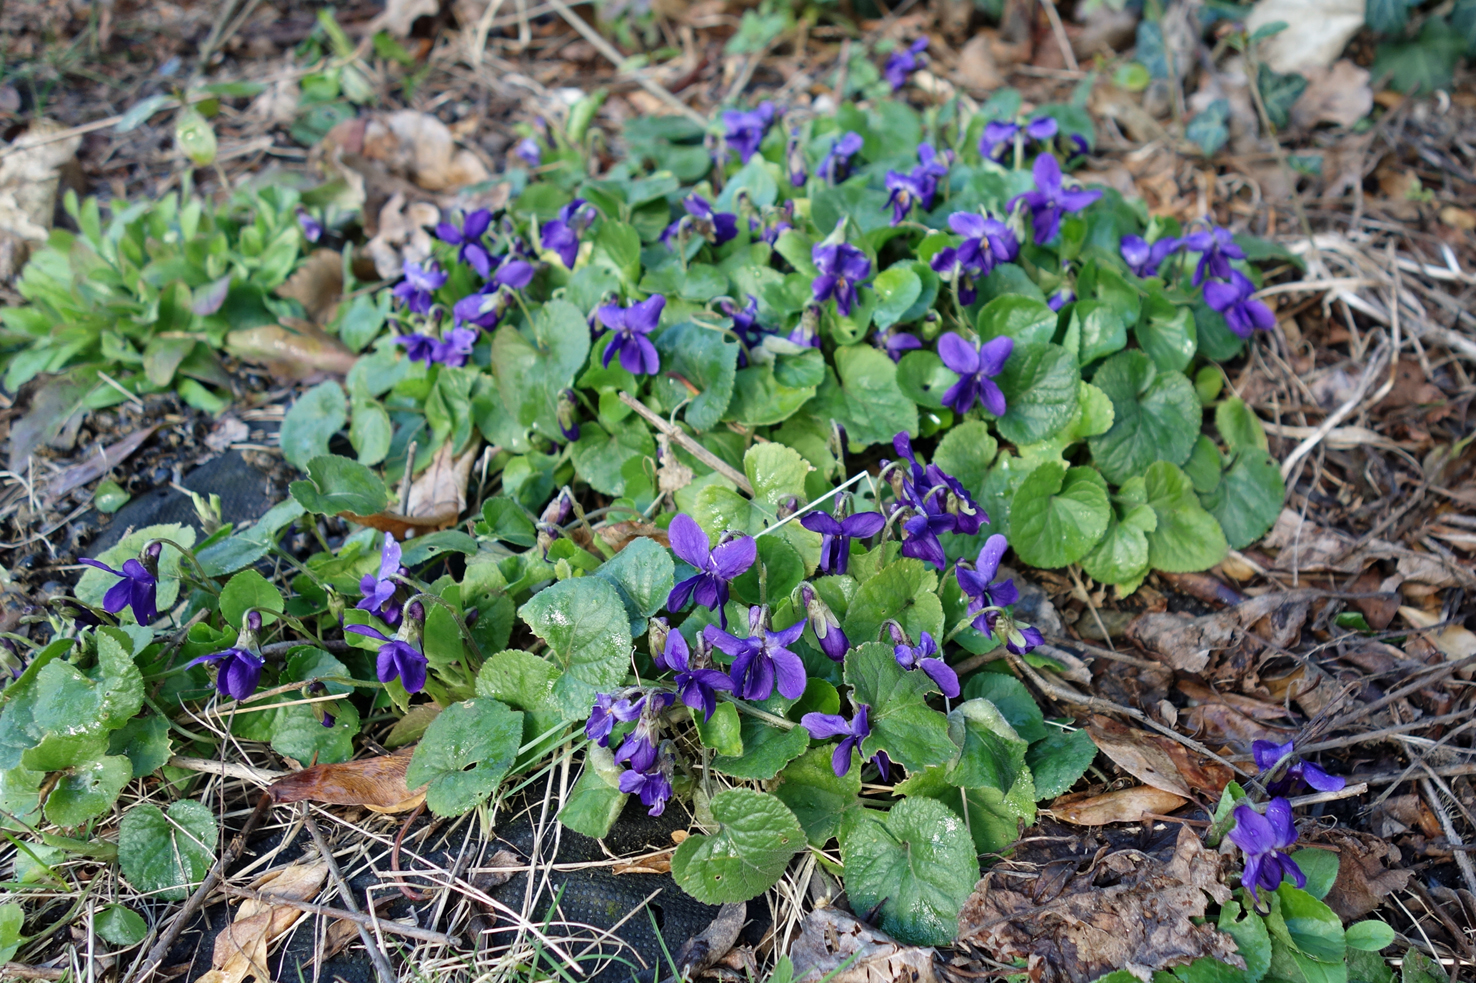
[(96, 464), (437, 497), (291, 350), (831, 938), (316, 284), (1127, 910), (1137, 753), (1340, 94), (1364, 880), (375, 783), (241, 947), (1126, 805)]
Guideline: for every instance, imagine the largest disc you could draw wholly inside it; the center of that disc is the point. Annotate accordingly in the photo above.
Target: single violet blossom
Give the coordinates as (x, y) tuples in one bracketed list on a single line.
[(842, 266), (1144, 259), (606, 712), (763, 659), (652, 785), (1000, 135), (139, 587), (716, 566), (904, 62), (1216, 248), (976, 366), (237, 671), (920, 532), (979, 583), (794, 159), (744, 131), (1264, 840), (826, 725), (1271, 756), (716, 227), (529, 152), (1060, 299), (906, 190), (1018, 638), (312, 229), (561, 235), (896, 342), (469, 237), (629, 327), (564, 411), (638, 750), (696, 685), (415, 290), (398, 657), (379, 591), (1051, 199), (837, 162), (924, 656), (987, 243), (1243, 314), (836, 535)]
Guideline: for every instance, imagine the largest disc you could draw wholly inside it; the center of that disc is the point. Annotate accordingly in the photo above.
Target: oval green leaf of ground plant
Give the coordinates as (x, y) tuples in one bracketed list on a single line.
[(705, 359), (897, 288), (12, 920), (1320, 868), (167, 854), (120, 925), (863, 395), (465, 754), (1186, 538), (966, 451), (246, 591), (766, 749), (991, 754), (1251, 938), (1012, 699), (317, 415), (902, 724), (1312, 927), (596, 801), (818, 798), (336, 484), (904, 590), (1369, 936), (1058, 514), (923, 378), (1058, 760), (1248, 498), (588, 633), (1156, 416), (533, 367), (917, 861), (747, 855), (88, 789), (1040, 383)]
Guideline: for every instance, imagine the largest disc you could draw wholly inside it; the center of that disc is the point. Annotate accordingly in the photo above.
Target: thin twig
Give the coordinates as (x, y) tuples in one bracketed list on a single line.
[(376, 955), (392, 927), (1463, 859), (1059, 30), (701, 453), (1346, 792)]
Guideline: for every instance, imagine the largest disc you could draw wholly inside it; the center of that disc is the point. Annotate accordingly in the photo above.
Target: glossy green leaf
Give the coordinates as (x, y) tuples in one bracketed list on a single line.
[(862, 394), (755, 841), (335, 484), (317, 415), (902, 724), (464, 755), (588, 634), (1059, 760), (167, 853), (1155, 416), (1186, 538)]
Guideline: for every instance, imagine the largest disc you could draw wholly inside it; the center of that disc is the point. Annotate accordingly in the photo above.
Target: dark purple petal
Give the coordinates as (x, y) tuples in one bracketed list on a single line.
[(734, 557), (958, 354)]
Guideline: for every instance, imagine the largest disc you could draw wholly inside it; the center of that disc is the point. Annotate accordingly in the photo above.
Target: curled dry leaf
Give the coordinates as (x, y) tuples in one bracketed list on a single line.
[(1189, 644), (294, 349), (437, 497), (1315, 33), (317, 284), (29, 176), (96, 464), (241, 947), (1364, 880), (1130, 910), (423, 149), (402, 237), (1157, 760), (1340, 94), (659, 863), (377, 784), (1453, 641), (831, 938), (1126, 805), (713, 943)]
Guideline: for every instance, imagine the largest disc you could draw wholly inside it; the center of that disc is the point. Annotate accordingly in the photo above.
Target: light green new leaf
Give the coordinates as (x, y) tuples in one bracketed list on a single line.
[(1058, 514), (587, 630), (1187, 538)]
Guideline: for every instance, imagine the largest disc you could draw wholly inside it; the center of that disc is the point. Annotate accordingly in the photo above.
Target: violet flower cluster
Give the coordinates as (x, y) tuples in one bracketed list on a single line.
[(1226, 289)]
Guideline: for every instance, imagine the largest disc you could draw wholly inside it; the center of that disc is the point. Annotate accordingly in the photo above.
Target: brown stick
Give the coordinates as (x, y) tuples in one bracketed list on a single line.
[(24, 972), (701, 453), (392, 927), (382, 967)]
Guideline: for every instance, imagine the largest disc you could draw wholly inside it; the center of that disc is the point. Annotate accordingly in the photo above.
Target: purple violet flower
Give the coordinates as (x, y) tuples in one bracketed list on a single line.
[(906, 190), (529, 152), (716, 567), (696, 684), (920, 533), (744, 131), (987, 243), (853, 732), (977, 581), (1000, 135), (379, 591), (1050, 199), (1264, 840), (921, 485), (1060, 299), (1243, 314), (896, 342), (1270, 756), (842, 266), (794, 159), (904, 62), (762, 659), (237, 671), (139, 588), (1217, 248), (836, 535), (312, 229), (561, 235), (653, 784), (638, 750), (414, 291), (924, 656), (629, 327), (716, 227), (976, 367), (607, 710), (1021, 639), (398, 658), (837, 162), (469, 238), (1144, 259)]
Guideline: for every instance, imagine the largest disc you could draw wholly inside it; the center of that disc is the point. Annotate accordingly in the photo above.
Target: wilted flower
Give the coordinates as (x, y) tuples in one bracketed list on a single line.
[(794, 158), (854, 731), (639, 747), (1217, 248), (469, 238), (976, 365), (629, 327), (1144, 259), (1051, 199), (903, 62), (924, 656), (744, 131), (842, 266), (414, 291), (379, 591), (139, 588), (1243, 314), (836, 535), (837, 162), (1264, 840), (716, 567), (1270, 759), (762, 659), (1018, 637)]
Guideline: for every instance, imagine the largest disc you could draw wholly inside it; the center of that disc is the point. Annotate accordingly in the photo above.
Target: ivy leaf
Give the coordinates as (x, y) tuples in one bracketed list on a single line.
[(1156, 416), (464, 755), (747, 855), (532, 368), (819, 799), (1012, 699), (1209, 127), (1040, 383), (708, 361), (1422, 65), (1028, 320), (1186, 538), (1058, 760), (88, 789), (902, 724), (1058, 514), (588, 633), (335, 484), (167, 854), (904, 590), (862, 394), (991, 754), (917, 862), (1248, 498), (1279, 91), (317, 415)]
